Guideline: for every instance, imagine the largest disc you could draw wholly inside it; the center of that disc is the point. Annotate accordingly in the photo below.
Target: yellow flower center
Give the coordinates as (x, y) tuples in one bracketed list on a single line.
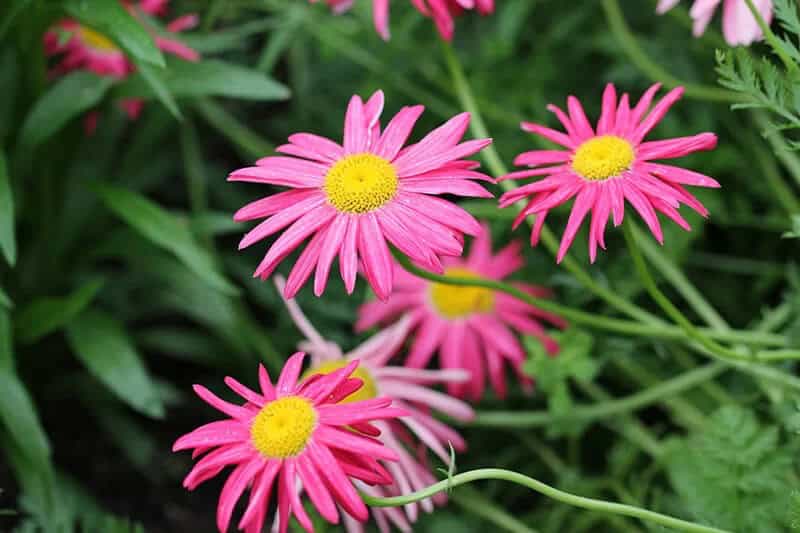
[(367, 391), (282, 428), (454, 301), (360, 183), (96, 40), (603, 157)]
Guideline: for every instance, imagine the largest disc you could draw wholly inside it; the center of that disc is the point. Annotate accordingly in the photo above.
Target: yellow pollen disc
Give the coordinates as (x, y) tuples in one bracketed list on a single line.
[(453, 301), (282, 428), (360, 183), (603, 157), (367, 391), (96, 40)]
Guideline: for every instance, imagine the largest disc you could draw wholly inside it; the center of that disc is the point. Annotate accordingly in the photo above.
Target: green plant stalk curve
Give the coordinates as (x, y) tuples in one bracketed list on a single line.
[(546, 490)]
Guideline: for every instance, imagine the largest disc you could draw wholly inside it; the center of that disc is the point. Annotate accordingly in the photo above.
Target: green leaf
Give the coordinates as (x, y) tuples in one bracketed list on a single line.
[(46, 315), (165, 231), (16, 8), (793, 233), (112, 19), (6, 353), (154, 80), (18, 415), (9, 88), (208, 78), (66, 99), (734, 474), (5, 301), (8, 243), (104, 347)]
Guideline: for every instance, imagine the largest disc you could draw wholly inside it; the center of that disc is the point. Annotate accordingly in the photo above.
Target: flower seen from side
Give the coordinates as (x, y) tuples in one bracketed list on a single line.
[(739, 26), (411, 390), (606, 166)]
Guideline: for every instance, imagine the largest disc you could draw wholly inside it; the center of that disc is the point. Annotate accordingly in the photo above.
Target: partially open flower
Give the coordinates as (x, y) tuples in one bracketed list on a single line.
[(738, 24), (287, 432)]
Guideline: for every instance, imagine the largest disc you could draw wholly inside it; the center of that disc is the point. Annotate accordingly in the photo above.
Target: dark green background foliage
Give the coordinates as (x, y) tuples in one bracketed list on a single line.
[(121, 285)]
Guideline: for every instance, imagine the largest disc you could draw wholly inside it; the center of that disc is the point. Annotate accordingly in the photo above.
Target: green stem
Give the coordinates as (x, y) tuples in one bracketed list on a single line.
[(546, 490), (770, 37), (668, 307), (497, 167), (616, 325), (628, 42), (607, 409)]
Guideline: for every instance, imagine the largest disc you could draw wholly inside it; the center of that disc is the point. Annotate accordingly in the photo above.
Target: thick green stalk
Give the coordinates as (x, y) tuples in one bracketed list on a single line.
[(605, 409), (577, 316), (546, 490)]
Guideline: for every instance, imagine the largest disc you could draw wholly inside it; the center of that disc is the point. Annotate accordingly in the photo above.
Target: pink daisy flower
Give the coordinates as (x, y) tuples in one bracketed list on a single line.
[(353, 198), (443, 12), (471, 327), (82, 48), (290, 432), (738, 24), (410, 389), (603, 168)]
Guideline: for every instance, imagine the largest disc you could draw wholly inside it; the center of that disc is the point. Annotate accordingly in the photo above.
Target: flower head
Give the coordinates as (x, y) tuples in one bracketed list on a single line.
[(604, 167), (287, 432), (738, 24), (471, 327), (84, 48), (410, 389), (351, 199), (443, 12)]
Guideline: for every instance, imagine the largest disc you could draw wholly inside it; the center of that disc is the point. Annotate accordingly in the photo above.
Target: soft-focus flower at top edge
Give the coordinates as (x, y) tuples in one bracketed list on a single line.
[(471, 327), (83, 48), (443, 12), (288, 432), (410, 389), (738, 24), (353, 198), (604, 167)]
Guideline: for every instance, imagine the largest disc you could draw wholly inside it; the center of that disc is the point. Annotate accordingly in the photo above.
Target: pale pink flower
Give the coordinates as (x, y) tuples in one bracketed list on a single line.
[(603, 168), (471, 327), (83, 48), (351, 199), (410, 389), (738, 23), (290, 432), (443, 12)]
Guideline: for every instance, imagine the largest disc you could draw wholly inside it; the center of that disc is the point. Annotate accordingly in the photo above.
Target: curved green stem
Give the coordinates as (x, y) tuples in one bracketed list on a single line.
[(577, 316), (606, 409), (626, 39), (669, 308), (497, 168), (546, 490), (770, 37)]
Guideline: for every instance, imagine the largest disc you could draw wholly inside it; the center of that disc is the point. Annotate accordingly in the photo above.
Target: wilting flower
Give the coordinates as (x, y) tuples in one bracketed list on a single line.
[(442, 12), (471, 327), (410, 390), (83, 48), (604, 167), (287, 432), (738, 23), (351, 198)]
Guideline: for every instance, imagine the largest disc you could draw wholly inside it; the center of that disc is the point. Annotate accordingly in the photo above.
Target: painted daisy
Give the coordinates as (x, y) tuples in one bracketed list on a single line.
[(410, 389), (471, 327), (83, 48), (738, 24), (603, 168), (351, 199), (443, 12), (290, 432)]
